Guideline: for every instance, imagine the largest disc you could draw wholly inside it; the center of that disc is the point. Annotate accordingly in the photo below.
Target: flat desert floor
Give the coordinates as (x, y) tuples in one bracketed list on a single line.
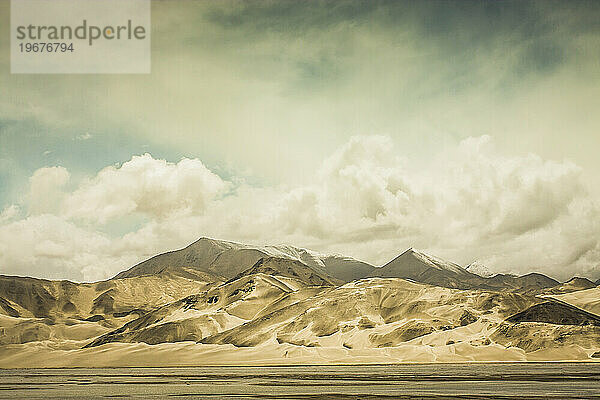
[(401, 381)]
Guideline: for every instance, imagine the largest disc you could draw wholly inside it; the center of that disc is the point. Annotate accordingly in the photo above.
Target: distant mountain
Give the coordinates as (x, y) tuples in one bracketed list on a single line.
[(412, 263), (424, 268), (224, 259), (480, 269), (346, 268), (211, 259), (572, 285), (529, 283), (216, 257)]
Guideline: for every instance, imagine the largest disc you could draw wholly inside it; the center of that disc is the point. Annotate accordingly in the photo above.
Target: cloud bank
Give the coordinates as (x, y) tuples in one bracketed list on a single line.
[(470, 202)]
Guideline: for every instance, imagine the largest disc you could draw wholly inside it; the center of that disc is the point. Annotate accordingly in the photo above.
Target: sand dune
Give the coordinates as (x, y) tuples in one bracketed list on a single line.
[(33, 355), (218, 309), (588, 299)]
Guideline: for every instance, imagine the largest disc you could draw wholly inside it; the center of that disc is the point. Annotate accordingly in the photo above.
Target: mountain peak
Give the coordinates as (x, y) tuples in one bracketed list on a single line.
[(433, 261), (480, 269), (578, 279), (422, 267), (578, 283), (204, 240), (225, 259)]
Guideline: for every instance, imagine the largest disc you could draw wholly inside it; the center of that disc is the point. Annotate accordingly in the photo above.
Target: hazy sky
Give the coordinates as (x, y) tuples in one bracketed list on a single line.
[(470, 129)]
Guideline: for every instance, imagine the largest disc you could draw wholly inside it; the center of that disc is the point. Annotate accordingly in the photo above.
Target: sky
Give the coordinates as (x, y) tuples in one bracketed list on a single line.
[(468, 129)]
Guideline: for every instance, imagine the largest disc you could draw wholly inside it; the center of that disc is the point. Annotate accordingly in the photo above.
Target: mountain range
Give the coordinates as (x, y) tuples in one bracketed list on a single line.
[(224, 260), (221, 302)]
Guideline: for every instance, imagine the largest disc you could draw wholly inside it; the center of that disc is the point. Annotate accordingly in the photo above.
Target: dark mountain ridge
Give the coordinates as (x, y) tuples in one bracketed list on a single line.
[(424, 268), (277, 266)]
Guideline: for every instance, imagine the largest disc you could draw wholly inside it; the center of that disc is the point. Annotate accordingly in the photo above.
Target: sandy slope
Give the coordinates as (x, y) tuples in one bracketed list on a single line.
[(371, 320), (29, 297), (218, 309), (37, 309), (34, 355), (588, 299), (573, 285)]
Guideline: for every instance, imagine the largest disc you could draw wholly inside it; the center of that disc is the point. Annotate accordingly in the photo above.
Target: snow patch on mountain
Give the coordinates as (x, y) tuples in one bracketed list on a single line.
[(437, 262), (480, 269)]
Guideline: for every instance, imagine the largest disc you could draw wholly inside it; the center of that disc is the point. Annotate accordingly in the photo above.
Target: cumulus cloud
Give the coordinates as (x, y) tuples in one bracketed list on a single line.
[(518, 213), (514, 213), (46, 189), (9, 213), (155, 188), (483, 194), (48, 246)]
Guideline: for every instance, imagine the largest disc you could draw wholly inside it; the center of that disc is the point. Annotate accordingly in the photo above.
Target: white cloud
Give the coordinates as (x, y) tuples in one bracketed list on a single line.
[(9, 213), (513, 213), (155, 188), (519, 213), (48, 246), (494, 195), (46, 189)]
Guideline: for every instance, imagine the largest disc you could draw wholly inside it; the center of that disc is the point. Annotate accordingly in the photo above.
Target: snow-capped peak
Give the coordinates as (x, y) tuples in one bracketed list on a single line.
[(436, 262), (480, 269)]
